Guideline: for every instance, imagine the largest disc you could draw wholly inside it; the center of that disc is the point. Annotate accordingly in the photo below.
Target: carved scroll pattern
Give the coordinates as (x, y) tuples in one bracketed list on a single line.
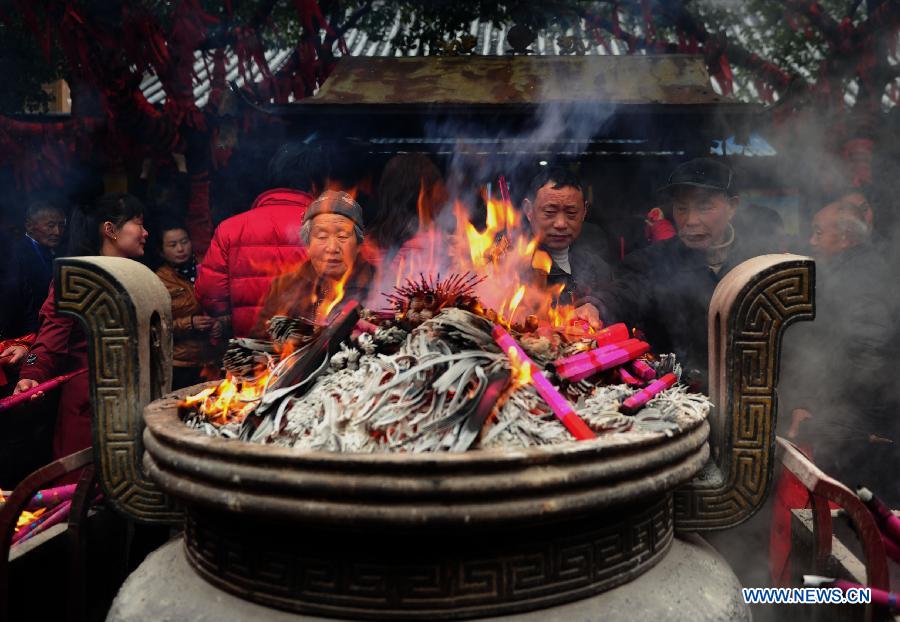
[(730, 490), (104, 308)]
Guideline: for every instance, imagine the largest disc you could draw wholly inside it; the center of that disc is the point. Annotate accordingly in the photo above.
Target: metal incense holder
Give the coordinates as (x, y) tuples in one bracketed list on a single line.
[(570, 529)]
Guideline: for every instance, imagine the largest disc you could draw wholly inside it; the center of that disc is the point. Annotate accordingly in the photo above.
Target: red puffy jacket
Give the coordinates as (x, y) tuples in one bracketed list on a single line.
[(248, 251)]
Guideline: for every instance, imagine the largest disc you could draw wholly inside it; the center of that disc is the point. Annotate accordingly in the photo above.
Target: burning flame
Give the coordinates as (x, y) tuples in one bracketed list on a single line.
[(505, 251), (515, 292), (520, 370), (334, 296), (26, 518), (229, 400)]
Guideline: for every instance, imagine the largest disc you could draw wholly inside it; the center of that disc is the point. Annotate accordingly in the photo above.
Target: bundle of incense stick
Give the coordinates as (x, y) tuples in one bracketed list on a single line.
[(640, 399), (585, 364), (557, 403), (246, 357), (879, 597), (887, 521), (21, 398), (50, 497)]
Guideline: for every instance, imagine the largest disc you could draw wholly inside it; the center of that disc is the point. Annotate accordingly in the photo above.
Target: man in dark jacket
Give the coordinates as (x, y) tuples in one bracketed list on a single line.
[(556, 210), (665, 289), (45, 225), (838, 372)]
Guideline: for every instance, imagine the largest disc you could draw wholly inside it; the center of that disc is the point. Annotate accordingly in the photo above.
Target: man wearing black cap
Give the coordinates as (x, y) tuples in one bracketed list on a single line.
[(665, 289), (332, 230)]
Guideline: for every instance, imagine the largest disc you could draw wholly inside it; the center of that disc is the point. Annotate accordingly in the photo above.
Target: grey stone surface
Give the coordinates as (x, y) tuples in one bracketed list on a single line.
[(692, 583)]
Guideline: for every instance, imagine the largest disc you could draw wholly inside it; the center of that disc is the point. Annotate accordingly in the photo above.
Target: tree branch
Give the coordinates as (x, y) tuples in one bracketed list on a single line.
[(351, 22), (818, 17)]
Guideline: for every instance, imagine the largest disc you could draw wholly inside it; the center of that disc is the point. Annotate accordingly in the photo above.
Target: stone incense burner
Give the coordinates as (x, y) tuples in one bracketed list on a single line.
[(576, 531)]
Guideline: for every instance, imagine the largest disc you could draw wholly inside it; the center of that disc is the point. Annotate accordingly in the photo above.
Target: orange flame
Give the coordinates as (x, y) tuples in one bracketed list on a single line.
[(335, 295), (520, 370), (26, 518), (228, 401)]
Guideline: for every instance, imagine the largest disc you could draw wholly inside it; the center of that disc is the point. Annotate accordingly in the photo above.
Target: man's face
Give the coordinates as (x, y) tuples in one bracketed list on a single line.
[(827, 240), (556, 216), (332, 245), (47, 227), (702, 216)]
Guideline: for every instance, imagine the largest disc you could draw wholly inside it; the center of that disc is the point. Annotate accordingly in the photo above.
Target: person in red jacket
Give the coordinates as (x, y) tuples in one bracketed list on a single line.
[(113, 227), (250, 249)]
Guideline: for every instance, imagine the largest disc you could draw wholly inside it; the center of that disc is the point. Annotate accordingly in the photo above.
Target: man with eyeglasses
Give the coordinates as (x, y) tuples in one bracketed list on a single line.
[(664, 290)]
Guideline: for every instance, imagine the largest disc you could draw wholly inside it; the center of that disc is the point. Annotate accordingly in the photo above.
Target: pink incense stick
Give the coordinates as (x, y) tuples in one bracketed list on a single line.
[(639, 399), (585, 364), (20, 398), (891, 548), (504, 190), (51, 496), (627, 378), (52, 517), (642, 370), (888, 523), (612, 334), (557, 403), (879, 597)]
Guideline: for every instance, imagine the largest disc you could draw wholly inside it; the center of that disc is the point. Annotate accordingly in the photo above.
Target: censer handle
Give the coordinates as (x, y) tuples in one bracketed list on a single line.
[(126, 313), (749, 311)]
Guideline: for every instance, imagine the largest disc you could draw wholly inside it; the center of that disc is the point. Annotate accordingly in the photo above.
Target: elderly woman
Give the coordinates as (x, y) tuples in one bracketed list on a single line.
[(332, 232)]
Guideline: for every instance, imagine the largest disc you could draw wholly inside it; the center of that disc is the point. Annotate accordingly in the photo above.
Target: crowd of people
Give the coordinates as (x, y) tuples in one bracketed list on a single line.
[(308, 236)]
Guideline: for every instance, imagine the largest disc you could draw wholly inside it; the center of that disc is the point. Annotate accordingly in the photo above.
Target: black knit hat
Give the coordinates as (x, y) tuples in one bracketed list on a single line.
[(702, 173)]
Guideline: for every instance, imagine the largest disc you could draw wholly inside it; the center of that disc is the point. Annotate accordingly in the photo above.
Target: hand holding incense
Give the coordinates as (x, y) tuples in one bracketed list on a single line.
[(21, 398), (557, 403)]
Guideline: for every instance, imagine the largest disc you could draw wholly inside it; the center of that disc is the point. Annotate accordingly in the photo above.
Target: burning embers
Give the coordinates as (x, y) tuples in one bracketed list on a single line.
[(455, 363), (438, 372)]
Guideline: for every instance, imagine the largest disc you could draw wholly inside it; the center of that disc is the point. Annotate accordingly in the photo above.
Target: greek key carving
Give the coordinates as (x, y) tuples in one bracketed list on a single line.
[(115, 300), (470, 574), (749, 312)]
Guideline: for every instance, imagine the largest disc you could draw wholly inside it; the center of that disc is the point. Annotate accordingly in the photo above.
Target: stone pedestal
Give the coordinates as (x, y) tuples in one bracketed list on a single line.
[(692, 583)]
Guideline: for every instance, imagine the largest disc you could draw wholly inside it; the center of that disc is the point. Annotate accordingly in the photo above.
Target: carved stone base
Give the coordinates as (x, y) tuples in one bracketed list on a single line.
[(428, 575), (692, 583)]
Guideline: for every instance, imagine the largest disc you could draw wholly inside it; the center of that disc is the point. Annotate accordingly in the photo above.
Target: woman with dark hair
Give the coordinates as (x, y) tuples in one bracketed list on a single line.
[(112, 227), (410, 197), (196, 335)]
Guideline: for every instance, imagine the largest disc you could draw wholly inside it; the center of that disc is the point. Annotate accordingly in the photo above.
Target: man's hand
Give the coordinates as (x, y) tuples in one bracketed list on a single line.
[(203, 323), (590, 314), (798, 416), (217, 330), (24, 384), (13, 355)]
